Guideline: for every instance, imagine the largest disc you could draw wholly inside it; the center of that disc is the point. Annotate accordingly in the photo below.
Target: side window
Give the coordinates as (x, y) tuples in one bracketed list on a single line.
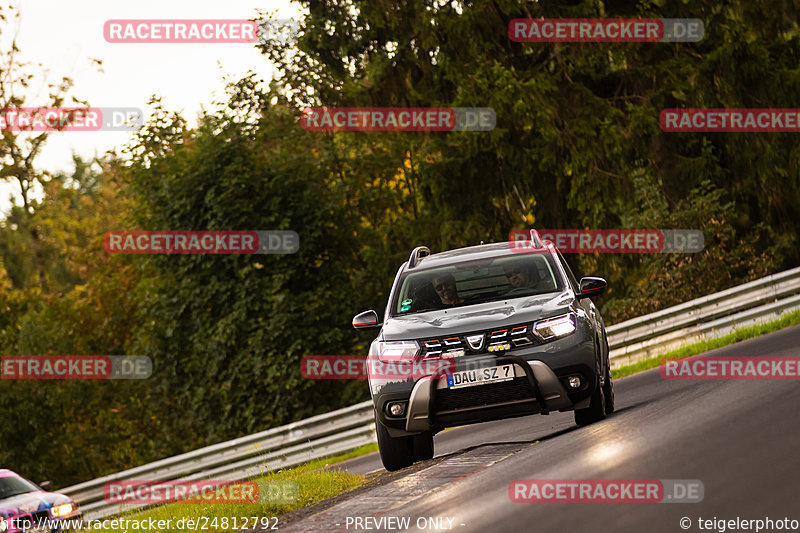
[(570, 275)]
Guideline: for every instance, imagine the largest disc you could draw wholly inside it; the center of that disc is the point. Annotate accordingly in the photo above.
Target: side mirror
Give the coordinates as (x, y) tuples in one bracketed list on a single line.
[(592, 287), (45, 485), (366, 320)]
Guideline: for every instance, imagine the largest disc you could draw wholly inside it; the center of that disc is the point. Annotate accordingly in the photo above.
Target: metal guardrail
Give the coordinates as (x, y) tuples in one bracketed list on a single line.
[(344, 429), (242, 458), (707, 317)]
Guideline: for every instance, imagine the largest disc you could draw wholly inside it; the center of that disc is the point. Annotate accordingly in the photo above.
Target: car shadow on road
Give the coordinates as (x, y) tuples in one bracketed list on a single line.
[(373, 457), (544, 438)]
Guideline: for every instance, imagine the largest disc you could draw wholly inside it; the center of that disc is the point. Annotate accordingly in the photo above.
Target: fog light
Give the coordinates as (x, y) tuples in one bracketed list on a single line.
[(499, 347), (574, 382), (397, 409)]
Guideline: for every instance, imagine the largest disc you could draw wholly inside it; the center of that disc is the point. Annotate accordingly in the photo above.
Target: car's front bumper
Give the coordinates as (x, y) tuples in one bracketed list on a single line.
[(539, 387)]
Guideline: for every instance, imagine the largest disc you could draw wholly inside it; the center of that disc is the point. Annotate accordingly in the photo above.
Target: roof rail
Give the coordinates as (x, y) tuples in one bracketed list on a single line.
[(417, 255), (536, 240)]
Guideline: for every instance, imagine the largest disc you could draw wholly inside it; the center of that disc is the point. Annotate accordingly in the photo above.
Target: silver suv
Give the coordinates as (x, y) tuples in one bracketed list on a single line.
[(484, 333)]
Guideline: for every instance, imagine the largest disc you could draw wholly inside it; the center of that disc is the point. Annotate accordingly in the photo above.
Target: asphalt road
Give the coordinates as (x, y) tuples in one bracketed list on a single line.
[(741, 439)]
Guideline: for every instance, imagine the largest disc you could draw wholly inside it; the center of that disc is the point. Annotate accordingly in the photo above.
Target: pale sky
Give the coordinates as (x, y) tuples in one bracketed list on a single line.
[(64, 35)]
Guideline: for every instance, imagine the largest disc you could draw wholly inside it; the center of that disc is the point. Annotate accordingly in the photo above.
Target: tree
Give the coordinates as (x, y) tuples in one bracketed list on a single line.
[(577, 143), (21, 144)]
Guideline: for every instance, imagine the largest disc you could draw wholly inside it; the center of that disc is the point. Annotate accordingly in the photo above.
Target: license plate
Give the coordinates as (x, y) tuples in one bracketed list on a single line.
[(480, 376)]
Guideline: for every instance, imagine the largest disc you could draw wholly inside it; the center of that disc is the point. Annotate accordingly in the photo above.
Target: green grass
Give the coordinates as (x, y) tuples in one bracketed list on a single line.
[(789, 319), (314, 484), (358, 452)]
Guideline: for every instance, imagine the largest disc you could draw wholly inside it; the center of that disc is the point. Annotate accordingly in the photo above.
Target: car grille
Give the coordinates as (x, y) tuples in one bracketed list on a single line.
[(514, 336), (483, 395)]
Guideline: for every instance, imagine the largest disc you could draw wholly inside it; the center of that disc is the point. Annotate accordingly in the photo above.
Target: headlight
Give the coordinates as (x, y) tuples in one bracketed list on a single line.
[(553, 328), (3, 525), (61, 510), (394, 350)]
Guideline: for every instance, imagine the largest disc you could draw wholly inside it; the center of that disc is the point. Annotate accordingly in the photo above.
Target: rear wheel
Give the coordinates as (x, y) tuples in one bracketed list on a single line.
[(596, 410), (423, 446), (396, 452)]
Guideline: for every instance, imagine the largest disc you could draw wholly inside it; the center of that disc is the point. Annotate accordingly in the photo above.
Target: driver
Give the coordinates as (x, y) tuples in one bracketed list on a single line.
[(445, 287)]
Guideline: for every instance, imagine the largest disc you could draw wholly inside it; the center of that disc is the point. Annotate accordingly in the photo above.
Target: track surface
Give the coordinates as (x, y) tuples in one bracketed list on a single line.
[(741, 439)]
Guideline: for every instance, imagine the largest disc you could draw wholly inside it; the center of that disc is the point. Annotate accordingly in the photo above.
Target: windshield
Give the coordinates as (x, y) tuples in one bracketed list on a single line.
[(476, 282), (13, 485)]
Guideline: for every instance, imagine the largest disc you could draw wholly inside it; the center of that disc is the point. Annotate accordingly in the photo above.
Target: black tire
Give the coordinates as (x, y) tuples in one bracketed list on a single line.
[(423, 446), (596, 410), (396, 452), (608, 392)]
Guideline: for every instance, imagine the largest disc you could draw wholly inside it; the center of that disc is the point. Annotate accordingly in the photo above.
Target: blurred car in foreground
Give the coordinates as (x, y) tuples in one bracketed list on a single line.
[(24, 506)]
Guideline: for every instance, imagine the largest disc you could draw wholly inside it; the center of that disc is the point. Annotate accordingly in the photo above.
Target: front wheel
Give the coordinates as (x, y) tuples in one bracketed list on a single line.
[(596, 410), (608, 392), (396, 452), (423, 446)]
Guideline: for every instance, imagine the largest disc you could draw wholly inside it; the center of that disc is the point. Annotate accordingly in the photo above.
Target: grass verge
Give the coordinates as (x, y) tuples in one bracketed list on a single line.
[(313, 482), (789, 319)]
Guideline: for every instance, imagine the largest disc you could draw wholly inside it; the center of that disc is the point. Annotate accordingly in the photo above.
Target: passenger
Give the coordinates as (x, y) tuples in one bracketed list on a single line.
[(522, 275)]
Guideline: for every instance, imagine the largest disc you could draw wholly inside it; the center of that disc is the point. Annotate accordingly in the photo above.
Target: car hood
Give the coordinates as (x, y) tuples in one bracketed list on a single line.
[(30, 502), (477, 317)]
